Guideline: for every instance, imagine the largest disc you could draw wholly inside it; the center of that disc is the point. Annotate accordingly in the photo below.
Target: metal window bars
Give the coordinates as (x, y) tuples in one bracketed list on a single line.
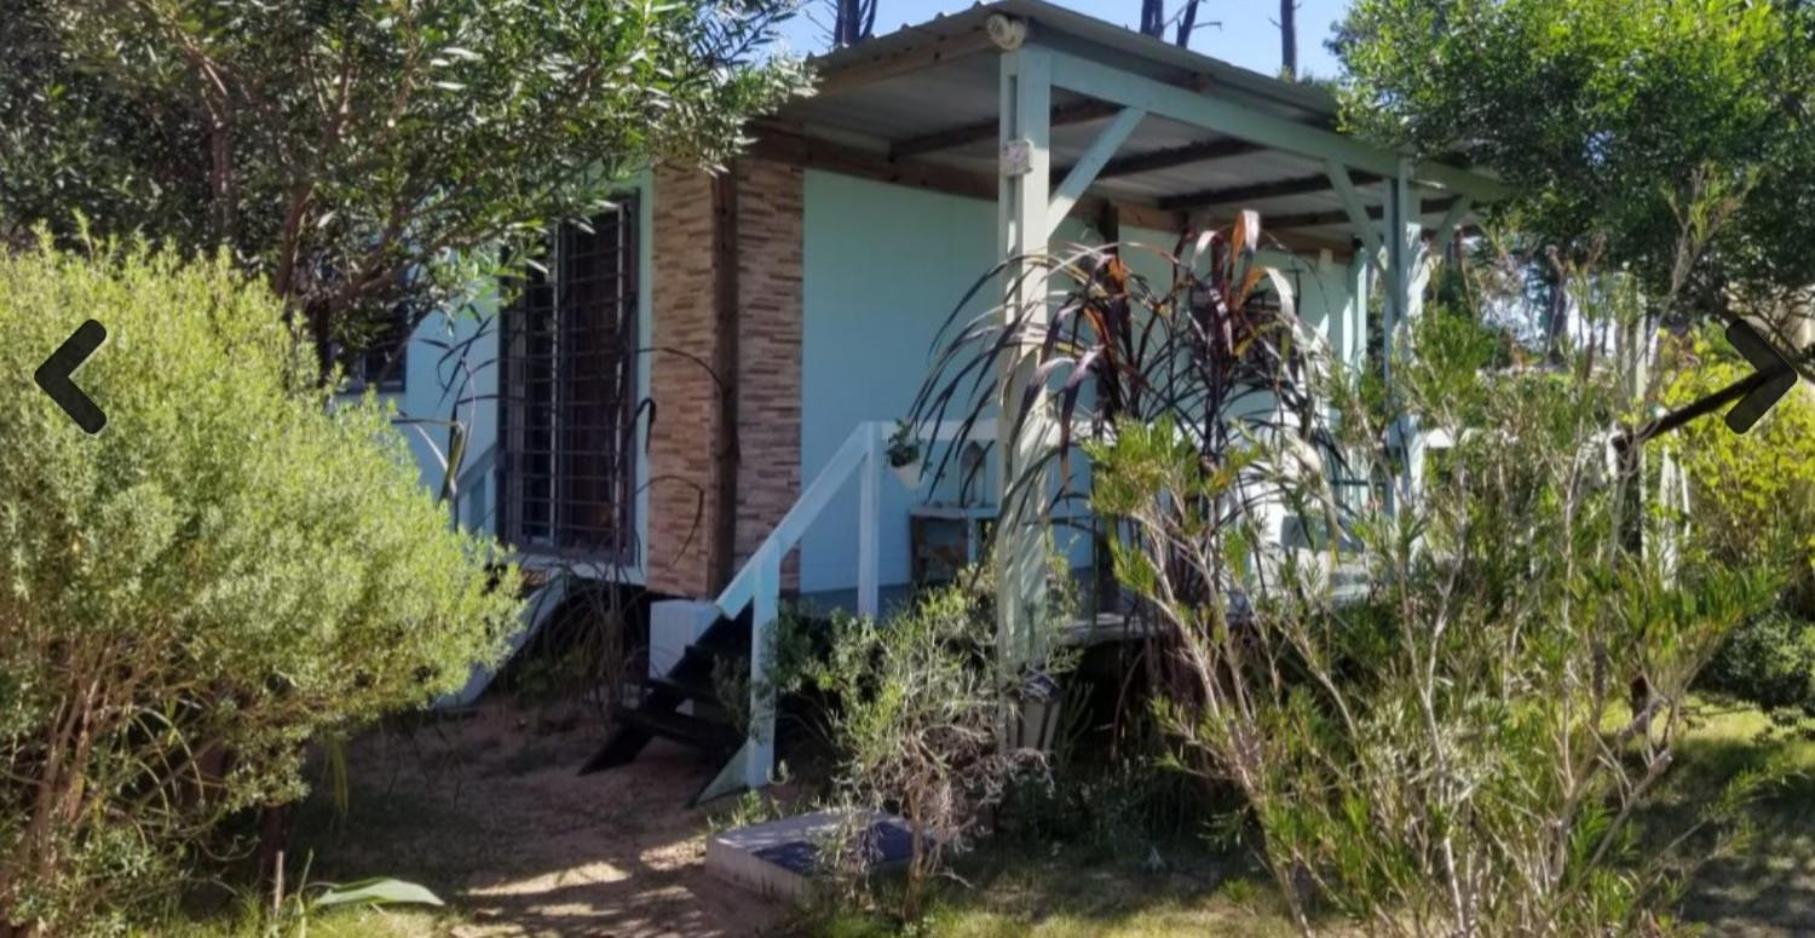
[(568, 372)]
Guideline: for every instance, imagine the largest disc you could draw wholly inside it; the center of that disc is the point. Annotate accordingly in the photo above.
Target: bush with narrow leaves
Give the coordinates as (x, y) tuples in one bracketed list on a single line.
[(233, 565)]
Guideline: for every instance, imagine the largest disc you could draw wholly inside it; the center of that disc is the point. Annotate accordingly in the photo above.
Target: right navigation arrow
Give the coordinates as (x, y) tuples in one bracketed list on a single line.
[(1776, 376)]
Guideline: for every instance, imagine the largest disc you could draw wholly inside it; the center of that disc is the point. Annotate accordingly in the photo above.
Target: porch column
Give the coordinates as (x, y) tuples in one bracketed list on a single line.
[(1406, 274), (1402, 242), (1355, 330), (1022, 224)]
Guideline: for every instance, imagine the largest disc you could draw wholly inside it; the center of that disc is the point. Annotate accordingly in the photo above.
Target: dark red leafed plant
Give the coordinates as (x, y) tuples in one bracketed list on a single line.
[(1215, 352), (1218, 350)]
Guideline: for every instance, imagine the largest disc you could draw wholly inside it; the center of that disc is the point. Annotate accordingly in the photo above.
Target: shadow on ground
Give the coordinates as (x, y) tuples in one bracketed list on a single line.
[(1767, 887), (488, 811)]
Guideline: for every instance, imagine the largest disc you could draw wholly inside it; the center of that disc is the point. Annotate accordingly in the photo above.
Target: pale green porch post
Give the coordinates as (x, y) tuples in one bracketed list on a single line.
[(1023, 226), (1355, 331), (1405, 278)]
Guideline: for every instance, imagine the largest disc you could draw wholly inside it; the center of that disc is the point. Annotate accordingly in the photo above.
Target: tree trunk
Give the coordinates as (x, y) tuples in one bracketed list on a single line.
[(1187, 22), (1153, 18), (1556, 323), (1288, 38), (320, 320), (273, 836), (853, 21)]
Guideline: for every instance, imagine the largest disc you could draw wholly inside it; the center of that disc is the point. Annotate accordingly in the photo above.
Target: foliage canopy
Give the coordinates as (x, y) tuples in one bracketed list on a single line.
[(1613, 118), (360, 153)]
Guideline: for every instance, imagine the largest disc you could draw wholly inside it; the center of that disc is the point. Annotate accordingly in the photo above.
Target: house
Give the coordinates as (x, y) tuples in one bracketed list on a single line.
[(696, 397)]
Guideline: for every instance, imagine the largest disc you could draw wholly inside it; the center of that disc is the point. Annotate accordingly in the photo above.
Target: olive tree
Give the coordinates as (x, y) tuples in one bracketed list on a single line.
[(230, 567), (360, 154)]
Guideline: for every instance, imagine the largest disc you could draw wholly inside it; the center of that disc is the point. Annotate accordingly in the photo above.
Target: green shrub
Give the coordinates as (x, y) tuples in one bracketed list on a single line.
[(915, 729), (1453, 752), (1769, 661), (1753, 503), (1753, 493), (232, 566)]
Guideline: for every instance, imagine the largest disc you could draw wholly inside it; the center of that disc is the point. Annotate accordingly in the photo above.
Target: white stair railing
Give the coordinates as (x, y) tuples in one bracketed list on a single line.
[(758, 584)]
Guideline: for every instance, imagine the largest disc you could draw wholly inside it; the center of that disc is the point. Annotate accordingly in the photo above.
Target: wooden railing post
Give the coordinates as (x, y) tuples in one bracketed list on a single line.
[(765, 609), (869, 524)]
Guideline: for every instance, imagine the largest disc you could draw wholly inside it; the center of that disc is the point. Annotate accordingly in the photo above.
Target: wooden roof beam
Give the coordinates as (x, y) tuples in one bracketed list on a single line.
[(1204, 151), (1339, 217), (950, 139), (1235, 119), (789, 145), (1236, 195), (1077, 112)]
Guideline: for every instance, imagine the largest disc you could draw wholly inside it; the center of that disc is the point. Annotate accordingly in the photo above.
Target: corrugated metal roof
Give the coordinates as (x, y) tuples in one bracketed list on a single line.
[(942, 113), (1145, 54)]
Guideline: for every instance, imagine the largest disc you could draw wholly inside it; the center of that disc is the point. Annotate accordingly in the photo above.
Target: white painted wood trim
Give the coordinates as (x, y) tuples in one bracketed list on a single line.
[(765, 610), (1357, 211), (1023, 200), (1085, 171), (869, 524), (1224, 116), (1446, 229)]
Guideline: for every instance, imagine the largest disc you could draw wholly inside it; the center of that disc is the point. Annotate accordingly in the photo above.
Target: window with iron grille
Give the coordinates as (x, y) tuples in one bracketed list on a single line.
[(377, 359), (568, 376)]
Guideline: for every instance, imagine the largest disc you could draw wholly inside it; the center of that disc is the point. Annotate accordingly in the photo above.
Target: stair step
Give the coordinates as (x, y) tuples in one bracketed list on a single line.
[(692, 731), (725, 643), (687, 687), (700, 667), (726, 636)]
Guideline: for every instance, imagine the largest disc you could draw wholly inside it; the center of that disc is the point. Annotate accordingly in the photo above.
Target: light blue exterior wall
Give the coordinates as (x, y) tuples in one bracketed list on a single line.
[(433, 385), (884, 267)]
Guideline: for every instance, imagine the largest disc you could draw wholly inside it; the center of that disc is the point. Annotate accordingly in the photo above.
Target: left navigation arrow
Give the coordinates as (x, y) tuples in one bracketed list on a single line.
[(54, 376)]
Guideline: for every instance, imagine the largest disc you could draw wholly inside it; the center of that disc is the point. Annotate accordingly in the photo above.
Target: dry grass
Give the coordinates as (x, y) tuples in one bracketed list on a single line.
[(1060, 893), (357, 923), (1766, 890), (489, 814)]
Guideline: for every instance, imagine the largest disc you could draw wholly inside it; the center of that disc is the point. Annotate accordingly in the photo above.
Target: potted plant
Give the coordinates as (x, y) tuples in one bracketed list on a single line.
[(904, 455)]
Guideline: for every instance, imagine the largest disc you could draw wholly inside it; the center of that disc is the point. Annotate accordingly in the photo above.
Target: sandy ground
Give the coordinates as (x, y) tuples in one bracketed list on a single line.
[(489, 812)]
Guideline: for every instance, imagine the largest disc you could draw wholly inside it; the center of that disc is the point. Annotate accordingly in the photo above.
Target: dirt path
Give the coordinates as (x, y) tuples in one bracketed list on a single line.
[(489, 812)]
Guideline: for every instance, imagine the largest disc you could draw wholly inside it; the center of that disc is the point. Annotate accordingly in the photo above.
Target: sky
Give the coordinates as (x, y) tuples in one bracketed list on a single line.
[(1247, 37)]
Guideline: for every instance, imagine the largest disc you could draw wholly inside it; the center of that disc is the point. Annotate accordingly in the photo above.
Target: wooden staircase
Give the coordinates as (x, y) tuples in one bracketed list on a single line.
[(747, 610), (723, 648)]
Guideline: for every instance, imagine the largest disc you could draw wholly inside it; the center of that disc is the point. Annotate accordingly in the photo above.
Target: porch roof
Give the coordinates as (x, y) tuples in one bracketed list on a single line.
[(920, 106)]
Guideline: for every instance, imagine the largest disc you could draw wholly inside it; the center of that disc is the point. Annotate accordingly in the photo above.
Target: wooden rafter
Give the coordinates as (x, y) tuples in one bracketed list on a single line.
[(1235, 195), (1338, 217), (1204, 151), (1237, 119), (791, 146), (1079, 112), (799, 149)]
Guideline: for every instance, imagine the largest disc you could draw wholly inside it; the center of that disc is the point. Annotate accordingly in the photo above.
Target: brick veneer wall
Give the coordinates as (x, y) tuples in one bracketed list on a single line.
[(686, 417), (683, 496), (769, 264)]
